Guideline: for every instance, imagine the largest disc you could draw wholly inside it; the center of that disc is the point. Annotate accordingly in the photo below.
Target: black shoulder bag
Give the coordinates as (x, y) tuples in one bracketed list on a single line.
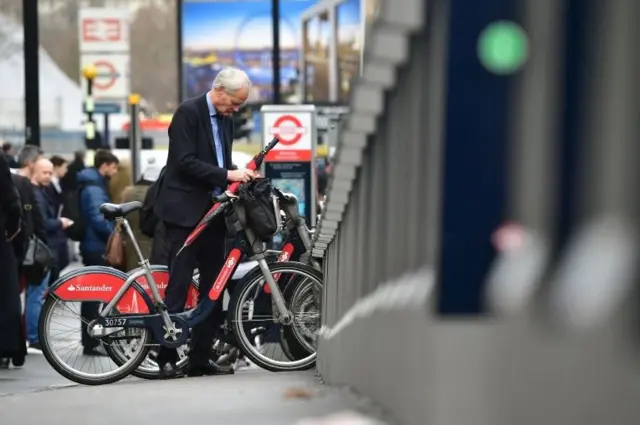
[(256, 198)]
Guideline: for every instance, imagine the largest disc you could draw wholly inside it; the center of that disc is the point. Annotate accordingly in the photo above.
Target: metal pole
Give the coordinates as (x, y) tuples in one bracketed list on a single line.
[(275, 16), (181, 84), (105, 141), (31, 72), (90, 73), (134, 135)]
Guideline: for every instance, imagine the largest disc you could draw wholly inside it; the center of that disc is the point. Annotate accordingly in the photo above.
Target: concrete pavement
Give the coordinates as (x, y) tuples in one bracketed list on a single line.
[(35, 394)]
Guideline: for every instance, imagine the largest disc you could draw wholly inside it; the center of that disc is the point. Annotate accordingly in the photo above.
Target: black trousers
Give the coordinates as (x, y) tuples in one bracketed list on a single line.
[(206, 254), (89, 309)]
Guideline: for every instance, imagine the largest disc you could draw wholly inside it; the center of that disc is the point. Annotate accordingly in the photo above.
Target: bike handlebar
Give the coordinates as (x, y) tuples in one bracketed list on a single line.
[(220, 202)]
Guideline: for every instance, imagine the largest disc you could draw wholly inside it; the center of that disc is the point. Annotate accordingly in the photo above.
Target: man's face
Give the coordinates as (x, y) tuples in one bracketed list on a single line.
[(228, 103), (61, 171), (43, 172), (109, 170)]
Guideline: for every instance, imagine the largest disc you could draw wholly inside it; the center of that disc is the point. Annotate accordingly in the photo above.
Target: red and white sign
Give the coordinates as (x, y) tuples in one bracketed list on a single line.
[(104, 30), (112, 81), (293, 129)]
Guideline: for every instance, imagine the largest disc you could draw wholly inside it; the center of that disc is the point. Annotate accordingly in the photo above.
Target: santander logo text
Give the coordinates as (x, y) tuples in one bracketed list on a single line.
[(90, 288), (146, 287)]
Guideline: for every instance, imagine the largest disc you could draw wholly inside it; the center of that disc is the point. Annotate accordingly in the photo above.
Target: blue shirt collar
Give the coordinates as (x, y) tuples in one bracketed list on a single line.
[(212, 110)]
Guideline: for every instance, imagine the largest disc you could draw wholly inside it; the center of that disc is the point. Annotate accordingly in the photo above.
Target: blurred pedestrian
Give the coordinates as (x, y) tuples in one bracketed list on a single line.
[(69, 182), (41, 177), (49, 208), (156, 249), (95, 182), (9, 155), (57, 195), (69, 186), (11, 341), (27, 158), (60, 170), (120, 181), (32, 226)]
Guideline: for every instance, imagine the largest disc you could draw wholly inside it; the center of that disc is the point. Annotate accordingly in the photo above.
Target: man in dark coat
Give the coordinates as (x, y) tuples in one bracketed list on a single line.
[(11, 342), (198, 166)]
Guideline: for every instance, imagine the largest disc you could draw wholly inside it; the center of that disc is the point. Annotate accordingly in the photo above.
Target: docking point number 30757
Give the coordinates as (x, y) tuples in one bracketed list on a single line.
[(115, 322)]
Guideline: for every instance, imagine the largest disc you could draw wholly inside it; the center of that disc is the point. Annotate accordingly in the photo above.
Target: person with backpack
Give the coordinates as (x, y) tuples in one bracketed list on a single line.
[(93, 230)]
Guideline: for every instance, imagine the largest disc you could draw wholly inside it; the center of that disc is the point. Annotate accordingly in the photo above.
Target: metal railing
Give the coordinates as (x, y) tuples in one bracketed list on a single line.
[(480, 234)]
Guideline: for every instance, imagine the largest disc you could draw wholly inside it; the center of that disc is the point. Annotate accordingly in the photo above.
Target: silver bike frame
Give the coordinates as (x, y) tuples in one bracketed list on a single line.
[(144, 271)]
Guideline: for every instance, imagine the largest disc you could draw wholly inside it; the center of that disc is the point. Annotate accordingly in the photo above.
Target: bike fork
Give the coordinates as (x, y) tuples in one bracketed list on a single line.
[(275, 290)]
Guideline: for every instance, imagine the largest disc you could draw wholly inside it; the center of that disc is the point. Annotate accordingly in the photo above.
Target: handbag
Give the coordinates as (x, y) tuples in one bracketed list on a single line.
[(115, 249), (256, 197), (37, 254)]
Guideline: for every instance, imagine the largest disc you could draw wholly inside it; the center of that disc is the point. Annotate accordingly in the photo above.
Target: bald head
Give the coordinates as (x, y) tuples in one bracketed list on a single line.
[(42, 172)]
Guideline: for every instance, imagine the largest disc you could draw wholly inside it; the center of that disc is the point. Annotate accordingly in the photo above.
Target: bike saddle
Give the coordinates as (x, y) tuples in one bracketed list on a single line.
[(113, 211)]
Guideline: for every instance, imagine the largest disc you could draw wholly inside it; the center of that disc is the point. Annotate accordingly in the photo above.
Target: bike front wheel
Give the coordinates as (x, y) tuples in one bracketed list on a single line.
[(257, 325), (64, 349)]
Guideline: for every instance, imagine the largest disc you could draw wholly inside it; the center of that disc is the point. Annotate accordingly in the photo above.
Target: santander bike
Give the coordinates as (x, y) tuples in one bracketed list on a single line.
[(300, 294), (136, 319)]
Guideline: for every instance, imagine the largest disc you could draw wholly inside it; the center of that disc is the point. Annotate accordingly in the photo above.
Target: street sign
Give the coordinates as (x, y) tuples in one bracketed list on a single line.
[(104, 30), (106, 108), (293, 129), (291, 163), (112, 80)]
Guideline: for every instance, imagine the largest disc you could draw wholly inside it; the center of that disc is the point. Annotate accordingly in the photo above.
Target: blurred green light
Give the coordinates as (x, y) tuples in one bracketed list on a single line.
[(503, 47)]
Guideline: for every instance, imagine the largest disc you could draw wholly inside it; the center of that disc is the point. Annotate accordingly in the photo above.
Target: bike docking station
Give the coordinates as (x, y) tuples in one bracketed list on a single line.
[(291, 163)]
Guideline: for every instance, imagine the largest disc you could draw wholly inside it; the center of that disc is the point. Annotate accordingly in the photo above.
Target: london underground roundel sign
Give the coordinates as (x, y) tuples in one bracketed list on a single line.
[(288, 129)]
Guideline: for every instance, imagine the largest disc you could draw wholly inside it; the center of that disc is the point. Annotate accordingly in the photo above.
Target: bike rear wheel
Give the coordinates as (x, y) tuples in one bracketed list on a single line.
[(248, 326)]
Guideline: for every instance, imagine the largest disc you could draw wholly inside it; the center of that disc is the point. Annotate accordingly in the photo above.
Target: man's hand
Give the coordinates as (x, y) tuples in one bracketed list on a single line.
[(66, 222), (242, 175)]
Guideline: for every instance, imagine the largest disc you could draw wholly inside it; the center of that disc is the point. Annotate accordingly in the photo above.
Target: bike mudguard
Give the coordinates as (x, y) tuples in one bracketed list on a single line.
[(99, 283), (161, 276)]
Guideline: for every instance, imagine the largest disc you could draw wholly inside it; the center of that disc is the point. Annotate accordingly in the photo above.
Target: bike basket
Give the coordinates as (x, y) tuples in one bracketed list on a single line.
[(257, 199)]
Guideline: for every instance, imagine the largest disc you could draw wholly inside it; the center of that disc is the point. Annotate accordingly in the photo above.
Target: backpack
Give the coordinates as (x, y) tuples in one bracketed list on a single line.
[(71, 209), (148, 219), (257, 199)]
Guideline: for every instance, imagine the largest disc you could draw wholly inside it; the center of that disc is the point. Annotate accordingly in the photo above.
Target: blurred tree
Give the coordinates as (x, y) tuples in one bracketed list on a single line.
[(11, 8), (59, 37), (154, 55)]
